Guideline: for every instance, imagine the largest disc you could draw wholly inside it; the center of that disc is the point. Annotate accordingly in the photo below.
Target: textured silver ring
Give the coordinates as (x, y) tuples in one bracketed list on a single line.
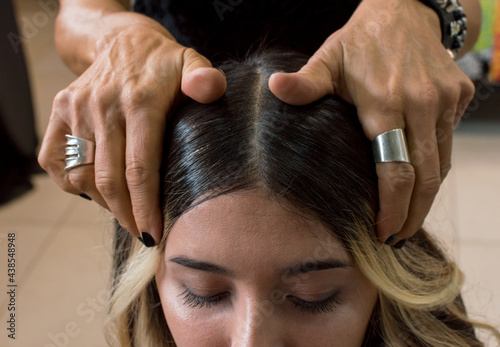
[(391, 147), (78, 152)]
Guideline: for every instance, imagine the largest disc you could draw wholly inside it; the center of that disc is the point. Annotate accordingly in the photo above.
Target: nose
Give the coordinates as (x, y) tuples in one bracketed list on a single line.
[(257, 324)]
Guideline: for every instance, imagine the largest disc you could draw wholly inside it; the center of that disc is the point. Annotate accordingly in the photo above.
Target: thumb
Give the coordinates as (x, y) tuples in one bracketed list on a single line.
[(313, 81), (200, 81)]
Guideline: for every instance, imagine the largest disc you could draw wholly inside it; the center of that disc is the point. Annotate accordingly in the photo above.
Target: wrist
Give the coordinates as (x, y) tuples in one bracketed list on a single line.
[(129, 24), (453, 22), (428, 16)]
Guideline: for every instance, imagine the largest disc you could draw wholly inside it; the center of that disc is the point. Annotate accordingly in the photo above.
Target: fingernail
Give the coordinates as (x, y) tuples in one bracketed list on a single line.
[(391, 239), (222, 72), (148, 240), (140, 239), (86, 197), (400, 244)]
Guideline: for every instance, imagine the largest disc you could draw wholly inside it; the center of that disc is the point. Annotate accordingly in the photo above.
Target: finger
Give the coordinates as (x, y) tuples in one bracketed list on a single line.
[(444, 138), (424, 156), (200, 81), (467, 93), (313, 81), (52, 154), (395, 186), (110, 177), (395, 180), (82, 178), (142, 168)]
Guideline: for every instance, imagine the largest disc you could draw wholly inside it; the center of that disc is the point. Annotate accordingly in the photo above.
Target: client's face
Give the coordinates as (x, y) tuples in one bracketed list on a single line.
[(240, 270)]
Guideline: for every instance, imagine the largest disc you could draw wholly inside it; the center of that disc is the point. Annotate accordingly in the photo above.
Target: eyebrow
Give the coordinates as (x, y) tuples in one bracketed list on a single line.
[(300, 268), (315, 265), (201, 265)]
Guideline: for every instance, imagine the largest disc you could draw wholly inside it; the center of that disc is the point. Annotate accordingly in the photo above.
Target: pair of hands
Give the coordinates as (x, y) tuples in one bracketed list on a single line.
[(388, 61)]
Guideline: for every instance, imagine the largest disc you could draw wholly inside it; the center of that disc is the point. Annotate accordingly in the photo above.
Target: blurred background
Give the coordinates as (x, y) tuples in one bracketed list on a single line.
[(63, 241)]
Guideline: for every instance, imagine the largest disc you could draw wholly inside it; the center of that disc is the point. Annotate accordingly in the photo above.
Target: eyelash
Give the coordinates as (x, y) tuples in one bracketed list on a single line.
[(324, 306), (193, 300), (314, 307)]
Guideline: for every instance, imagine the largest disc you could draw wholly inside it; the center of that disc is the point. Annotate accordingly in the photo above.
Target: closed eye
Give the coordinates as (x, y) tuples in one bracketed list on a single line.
[(314, 307)]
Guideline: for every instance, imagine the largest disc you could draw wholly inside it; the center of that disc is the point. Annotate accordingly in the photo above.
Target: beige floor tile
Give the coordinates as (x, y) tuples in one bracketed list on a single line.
[(477, 163), (44, 204), (63, 299), (30, 242), (440, 222), (88, 213), (482, 284)]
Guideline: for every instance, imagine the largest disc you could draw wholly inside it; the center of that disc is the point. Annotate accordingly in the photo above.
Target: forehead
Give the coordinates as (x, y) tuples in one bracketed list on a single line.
[(251, 227)]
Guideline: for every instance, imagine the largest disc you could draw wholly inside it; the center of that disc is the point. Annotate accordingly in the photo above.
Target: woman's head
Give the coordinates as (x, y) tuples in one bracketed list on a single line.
[(241, 269), (269, 238)]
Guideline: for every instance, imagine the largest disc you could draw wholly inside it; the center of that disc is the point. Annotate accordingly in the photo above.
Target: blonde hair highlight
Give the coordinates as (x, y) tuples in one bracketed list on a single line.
[(412, 283)]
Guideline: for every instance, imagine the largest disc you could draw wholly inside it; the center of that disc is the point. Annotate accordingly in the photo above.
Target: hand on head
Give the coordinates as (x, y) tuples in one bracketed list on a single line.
[(121, 102), (384, 61), (398, 75)]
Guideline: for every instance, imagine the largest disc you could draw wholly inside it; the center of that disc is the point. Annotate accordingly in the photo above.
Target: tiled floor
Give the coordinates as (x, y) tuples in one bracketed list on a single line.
[(63, 241)]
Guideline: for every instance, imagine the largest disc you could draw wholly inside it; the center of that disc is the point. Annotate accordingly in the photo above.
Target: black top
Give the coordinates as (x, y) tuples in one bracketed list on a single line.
[(223, 29)]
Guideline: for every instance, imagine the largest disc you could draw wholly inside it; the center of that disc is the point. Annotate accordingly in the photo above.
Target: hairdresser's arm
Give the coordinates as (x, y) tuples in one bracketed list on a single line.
[(132, 72), (389, 62)]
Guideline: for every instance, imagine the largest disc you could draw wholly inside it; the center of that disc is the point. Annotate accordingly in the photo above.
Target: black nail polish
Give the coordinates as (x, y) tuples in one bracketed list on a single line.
[(148, 240), (86, 197), (391, 239), (400, 244), (140, 239)]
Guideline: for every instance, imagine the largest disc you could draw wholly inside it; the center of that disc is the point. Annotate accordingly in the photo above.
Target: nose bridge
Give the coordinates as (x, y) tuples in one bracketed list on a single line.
[(257, 324)]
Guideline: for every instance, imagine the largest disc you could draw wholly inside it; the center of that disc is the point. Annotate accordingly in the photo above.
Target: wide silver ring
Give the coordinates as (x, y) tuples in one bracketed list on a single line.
[(78, 152), (391, 147)]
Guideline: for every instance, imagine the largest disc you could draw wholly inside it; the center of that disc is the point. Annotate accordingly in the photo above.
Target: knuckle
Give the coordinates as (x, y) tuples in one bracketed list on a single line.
[(402, 177), (191, 55), (135, 96), (62, 99), (429, 95), (106, 184), (137, 176), (44, 161), (80, 181), (392, 94), (429, 187), (469, 90)]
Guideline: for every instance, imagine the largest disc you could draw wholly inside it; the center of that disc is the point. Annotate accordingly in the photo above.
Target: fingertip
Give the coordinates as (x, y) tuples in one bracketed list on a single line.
[(386, 230), (391, 239), (400, 244), (289, 88), (204, 84), (146, 239), (298, 88)]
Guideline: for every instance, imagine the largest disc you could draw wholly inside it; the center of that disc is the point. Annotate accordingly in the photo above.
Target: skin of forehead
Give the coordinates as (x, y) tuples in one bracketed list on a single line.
[(247, 230)]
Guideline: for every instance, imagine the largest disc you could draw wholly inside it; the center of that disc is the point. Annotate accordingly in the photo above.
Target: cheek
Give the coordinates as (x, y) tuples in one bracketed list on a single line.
[(346, 326)]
